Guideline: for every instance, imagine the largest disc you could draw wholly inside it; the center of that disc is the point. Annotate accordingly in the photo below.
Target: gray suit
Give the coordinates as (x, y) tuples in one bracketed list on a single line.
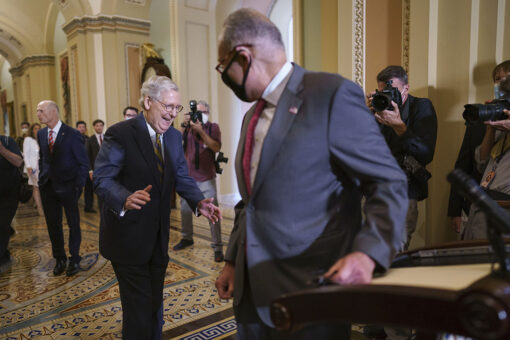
[(304, 212)]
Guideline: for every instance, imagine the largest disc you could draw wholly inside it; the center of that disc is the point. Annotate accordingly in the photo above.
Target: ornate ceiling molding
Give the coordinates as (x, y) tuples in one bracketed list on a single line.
[(359, 42), (135, 2), (106, 23), (32, 61)]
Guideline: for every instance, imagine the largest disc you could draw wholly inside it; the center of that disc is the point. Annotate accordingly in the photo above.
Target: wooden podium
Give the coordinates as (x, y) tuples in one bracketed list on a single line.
[(464, 299)]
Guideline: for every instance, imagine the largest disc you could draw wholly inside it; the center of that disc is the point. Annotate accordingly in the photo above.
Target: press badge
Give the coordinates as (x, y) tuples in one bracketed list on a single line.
[(488, 179)]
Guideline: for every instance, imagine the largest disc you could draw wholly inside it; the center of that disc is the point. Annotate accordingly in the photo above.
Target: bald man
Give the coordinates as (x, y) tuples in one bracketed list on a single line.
[(63, 166)]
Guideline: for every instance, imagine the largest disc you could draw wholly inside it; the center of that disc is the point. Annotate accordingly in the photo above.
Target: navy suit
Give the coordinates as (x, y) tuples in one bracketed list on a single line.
[(62, 176), (137, 242)]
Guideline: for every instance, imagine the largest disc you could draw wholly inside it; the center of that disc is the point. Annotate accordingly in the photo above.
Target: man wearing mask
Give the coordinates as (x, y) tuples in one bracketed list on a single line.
[(410, 129), (24, 132), (129, 112), (201, 141), (493, 157)]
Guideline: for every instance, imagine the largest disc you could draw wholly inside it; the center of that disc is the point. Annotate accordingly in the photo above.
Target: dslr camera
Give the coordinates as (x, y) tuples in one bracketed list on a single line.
[(220, 159), (194, 115), (382, 99), (478, 113)]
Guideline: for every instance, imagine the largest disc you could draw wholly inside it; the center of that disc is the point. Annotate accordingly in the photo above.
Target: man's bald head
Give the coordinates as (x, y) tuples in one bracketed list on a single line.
[(48, 113)]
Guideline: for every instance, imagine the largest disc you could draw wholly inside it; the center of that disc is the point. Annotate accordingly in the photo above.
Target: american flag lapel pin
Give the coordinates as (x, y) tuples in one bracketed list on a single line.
[(293, 110)]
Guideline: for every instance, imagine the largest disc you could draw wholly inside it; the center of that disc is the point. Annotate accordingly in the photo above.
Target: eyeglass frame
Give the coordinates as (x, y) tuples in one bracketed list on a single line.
[(177, 108), (219, 66)]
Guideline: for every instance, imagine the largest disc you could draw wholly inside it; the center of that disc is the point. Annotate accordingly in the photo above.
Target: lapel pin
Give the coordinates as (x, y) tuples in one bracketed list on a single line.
[(293, 110)]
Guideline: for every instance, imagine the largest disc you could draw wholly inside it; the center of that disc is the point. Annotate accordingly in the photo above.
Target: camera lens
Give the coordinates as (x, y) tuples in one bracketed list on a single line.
[(381, 102)]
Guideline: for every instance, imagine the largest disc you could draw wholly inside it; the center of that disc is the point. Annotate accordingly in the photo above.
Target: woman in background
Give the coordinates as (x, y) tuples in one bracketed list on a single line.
[(31, 158)]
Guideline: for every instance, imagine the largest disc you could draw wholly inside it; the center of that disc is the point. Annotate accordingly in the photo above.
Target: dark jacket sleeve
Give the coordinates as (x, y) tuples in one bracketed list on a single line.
[(78, 150)]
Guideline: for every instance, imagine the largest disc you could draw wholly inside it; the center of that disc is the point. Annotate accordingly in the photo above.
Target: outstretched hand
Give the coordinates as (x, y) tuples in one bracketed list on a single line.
[(353, 268), (502, 125), (209, 210), (138, 199)]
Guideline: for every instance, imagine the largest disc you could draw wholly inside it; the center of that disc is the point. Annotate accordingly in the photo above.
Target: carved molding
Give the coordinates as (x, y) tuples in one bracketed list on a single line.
[(106, 23), (135, 2), (359, 42), (32, 61), (63, 3), (406, 23)]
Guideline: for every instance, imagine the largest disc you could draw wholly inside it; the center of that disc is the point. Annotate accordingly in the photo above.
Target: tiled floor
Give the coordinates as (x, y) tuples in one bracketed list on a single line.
[(34, 304)]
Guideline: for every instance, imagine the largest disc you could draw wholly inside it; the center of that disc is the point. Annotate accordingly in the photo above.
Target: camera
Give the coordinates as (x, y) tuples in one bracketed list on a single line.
[(413, 168), (382, 99), (194, 115), (478, 113), (220, 159)]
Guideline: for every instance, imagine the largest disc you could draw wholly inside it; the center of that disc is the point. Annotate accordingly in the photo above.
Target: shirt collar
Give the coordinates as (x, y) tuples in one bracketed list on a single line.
[(56, 129), (273, 91)]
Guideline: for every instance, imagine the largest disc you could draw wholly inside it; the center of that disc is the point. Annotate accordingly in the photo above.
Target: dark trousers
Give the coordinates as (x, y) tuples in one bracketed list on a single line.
[(53, 202), (141, 295), (8, 206), (89, 194), (251, 327)]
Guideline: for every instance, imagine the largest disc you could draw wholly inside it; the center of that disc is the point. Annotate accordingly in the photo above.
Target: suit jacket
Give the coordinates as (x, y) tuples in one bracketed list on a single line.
[(92, 147), (304, 212), (67, 166), (466, 161), (419, 140), (126, 162)]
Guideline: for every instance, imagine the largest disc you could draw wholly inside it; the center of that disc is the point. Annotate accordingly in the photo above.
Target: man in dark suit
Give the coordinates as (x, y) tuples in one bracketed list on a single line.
[(138, 166), (63, 167), (92, 146), (309, 150), (88, 192), (10, 161), (410, 129)]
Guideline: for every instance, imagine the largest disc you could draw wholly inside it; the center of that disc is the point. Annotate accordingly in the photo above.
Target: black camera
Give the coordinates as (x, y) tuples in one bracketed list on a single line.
[(478, 113), (382, 99), (195, 115), (220, 159), (413, 168)]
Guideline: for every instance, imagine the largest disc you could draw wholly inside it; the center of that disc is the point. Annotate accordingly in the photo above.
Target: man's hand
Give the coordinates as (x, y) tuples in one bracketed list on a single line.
[(209, 210), (225, 281), (392, 119), (502, 125), (91, 175), (197, 127), (354, 268), (456, 222), (370, 96), (138, 199)]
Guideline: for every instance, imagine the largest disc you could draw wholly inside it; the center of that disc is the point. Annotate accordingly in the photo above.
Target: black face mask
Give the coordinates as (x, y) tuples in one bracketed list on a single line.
[(238, 90)]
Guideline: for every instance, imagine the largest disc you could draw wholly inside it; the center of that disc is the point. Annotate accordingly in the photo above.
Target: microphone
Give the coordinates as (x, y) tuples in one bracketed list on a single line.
[(472, 191)]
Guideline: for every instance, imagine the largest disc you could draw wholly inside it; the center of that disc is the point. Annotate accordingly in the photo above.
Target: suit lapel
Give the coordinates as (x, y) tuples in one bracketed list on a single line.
[(240, 152), (144, 142), (285, 114), (59, 140)]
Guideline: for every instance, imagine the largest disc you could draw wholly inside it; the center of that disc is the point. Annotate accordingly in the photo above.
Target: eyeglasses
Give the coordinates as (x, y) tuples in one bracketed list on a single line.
[(220, 68), (169, 107)]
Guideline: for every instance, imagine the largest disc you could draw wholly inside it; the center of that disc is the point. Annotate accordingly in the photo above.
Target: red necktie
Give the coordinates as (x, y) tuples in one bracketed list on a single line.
[(248, 144), (100, 140), (51, 141)]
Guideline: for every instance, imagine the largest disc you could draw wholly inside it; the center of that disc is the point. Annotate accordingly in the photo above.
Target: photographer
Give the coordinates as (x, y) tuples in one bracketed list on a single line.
[(492, 157), (201, 141), (409, 126)]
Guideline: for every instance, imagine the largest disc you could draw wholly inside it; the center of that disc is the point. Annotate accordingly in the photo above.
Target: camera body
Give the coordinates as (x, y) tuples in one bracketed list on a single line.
[(382, 99), (220, 159), (194, 115)]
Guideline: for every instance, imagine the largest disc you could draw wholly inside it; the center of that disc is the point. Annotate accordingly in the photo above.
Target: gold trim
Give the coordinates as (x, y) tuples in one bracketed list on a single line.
[(106, 23), (359, 42), (32, 61), (406, 23)]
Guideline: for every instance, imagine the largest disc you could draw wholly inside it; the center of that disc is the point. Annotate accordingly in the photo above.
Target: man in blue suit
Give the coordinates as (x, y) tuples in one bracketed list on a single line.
[(63, 167), (139, 164)]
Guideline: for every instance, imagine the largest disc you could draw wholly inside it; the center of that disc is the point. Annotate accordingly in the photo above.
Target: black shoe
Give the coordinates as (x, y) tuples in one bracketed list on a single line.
[(218, 256), (60, 267), (90, 211), (183, 244), (72, 269)]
